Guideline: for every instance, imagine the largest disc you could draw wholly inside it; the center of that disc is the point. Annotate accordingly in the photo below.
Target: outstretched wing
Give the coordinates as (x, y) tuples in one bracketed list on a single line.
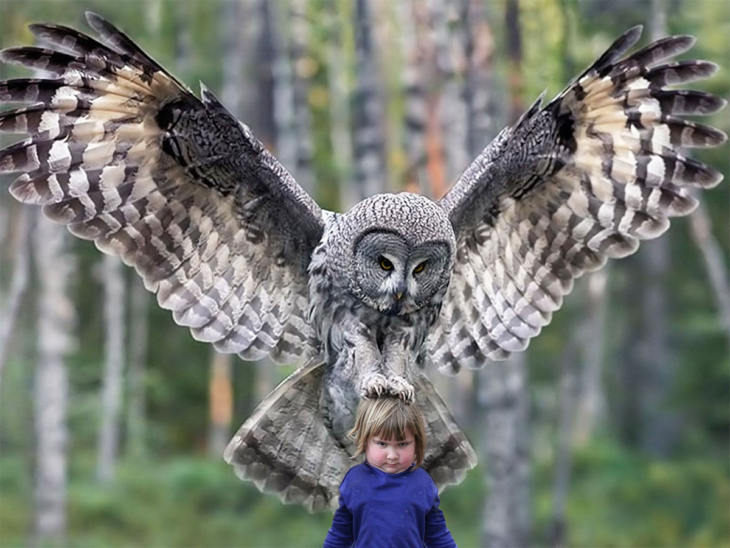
[(126, 156), (570, 185)]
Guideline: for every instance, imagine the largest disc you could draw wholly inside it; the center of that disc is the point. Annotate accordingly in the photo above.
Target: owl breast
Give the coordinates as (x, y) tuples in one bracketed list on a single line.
[(341, 317)]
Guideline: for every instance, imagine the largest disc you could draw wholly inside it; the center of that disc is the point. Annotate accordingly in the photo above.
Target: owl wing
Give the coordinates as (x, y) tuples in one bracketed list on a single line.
[(125, 155), (568, 186)]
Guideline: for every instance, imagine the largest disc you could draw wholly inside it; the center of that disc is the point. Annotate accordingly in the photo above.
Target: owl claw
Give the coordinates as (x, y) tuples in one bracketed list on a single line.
[(377, 384), (398, 386)]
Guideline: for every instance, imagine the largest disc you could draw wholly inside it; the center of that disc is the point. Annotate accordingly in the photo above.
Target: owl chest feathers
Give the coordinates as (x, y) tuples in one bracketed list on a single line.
[(341, 317), (345, 319)]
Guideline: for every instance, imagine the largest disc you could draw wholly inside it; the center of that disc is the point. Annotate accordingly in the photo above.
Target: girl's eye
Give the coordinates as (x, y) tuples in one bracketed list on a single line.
[(385, 264), (419, 268)]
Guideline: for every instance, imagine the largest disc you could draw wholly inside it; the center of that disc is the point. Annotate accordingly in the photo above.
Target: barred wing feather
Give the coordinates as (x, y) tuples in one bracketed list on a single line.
[(125, 155), (572, 184)]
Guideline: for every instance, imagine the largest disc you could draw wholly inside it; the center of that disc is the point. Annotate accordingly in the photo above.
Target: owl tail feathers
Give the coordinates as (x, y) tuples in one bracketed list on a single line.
[(285, 447), (449, 455)]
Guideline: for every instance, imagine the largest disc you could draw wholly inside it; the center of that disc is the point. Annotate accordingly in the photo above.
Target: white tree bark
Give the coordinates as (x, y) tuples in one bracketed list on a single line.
[(56, 319), (113, 377), (340, 115), (563, 451), (504, 405), (138, 346), (241, 25), (283, 92), (479, 91), (301, 81), (591, 402), (18, 283), (415, 108), (370, 175), (714, 261), (450, 59)]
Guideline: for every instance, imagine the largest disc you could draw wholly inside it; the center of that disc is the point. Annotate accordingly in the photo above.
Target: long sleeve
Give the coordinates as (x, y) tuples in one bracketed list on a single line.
[(340, 534), (437, 534)]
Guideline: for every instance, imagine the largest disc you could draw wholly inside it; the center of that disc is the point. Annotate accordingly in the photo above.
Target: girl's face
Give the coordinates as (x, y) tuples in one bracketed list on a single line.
[(391, 456)]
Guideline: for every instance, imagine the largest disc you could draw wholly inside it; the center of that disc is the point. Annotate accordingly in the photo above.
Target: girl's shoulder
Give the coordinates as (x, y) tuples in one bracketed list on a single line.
[(420, 475), (355, 473)]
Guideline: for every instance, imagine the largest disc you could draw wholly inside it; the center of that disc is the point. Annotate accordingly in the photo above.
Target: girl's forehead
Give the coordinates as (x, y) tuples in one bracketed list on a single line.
[(383, 437)]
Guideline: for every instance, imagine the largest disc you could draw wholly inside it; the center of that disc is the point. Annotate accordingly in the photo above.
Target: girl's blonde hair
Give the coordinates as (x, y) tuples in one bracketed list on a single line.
[(388, 417)]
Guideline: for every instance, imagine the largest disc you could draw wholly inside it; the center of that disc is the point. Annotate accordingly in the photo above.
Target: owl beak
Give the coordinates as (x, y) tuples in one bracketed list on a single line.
[(399, 296)]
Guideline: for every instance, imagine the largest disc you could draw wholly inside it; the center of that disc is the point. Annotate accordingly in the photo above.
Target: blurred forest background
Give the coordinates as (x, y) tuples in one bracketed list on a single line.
[(612, 430)]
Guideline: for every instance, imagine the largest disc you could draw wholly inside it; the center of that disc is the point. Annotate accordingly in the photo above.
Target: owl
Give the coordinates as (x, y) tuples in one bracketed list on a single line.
[(127, 156)]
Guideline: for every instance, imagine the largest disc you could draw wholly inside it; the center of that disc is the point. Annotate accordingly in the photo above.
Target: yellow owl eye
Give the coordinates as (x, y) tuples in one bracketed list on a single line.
[(385, 264), (419, 268)]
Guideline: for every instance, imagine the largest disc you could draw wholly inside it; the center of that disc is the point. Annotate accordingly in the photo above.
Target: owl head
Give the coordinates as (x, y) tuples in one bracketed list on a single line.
[(400, 251)]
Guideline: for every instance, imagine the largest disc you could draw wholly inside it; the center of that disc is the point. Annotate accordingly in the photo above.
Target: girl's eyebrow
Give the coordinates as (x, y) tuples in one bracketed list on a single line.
[(378, 438)]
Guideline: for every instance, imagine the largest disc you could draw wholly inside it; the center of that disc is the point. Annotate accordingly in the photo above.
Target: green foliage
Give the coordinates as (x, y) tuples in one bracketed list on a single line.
[(619, 498)]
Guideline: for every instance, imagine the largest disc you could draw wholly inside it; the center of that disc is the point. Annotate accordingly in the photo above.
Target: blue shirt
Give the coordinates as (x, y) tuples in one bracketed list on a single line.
[(379, 510)]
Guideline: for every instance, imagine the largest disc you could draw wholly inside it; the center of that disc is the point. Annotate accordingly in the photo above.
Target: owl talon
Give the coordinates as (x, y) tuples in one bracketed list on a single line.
[(375, 385), (398, 386)]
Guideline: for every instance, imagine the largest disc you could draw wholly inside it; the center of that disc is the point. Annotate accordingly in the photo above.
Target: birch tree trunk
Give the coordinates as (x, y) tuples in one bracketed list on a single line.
[(449, 54), (301, 80), (18, 283), (340, 94), (482, 122), (370, 176), (283, 88), (714, 261), (138, 346), (563, 453), (415, 107), (113, 379), (504, 406), (591, 398), (56, 320), (241, 29)]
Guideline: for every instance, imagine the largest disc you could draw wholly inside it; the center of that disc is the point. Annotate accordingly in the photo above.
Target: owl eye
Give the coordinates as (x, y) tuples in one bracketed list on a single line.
[(419, 268), (385, 264)]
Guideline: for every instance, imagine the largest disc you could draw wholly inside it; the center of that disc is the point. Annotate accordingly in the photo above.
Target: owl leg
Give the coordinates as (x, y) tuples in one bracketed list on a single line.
[(369, 366), (396, 359), (382, 371)]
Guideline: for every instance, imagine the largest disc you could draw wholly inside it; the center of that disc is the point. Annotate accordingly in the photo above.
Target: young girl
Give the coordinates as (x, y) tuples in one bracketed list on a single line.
[(388, 500)]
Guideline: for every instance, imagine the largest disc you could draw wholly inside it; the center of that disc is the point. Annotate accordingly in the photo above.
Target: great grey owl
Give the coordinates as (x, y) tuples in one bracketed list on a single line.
[(127, 156)]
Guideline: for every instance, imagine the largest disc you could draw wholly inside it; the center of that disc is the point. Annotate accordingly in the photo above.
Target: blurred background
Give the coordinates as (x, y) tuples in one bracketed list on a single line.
[(611, 430)]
